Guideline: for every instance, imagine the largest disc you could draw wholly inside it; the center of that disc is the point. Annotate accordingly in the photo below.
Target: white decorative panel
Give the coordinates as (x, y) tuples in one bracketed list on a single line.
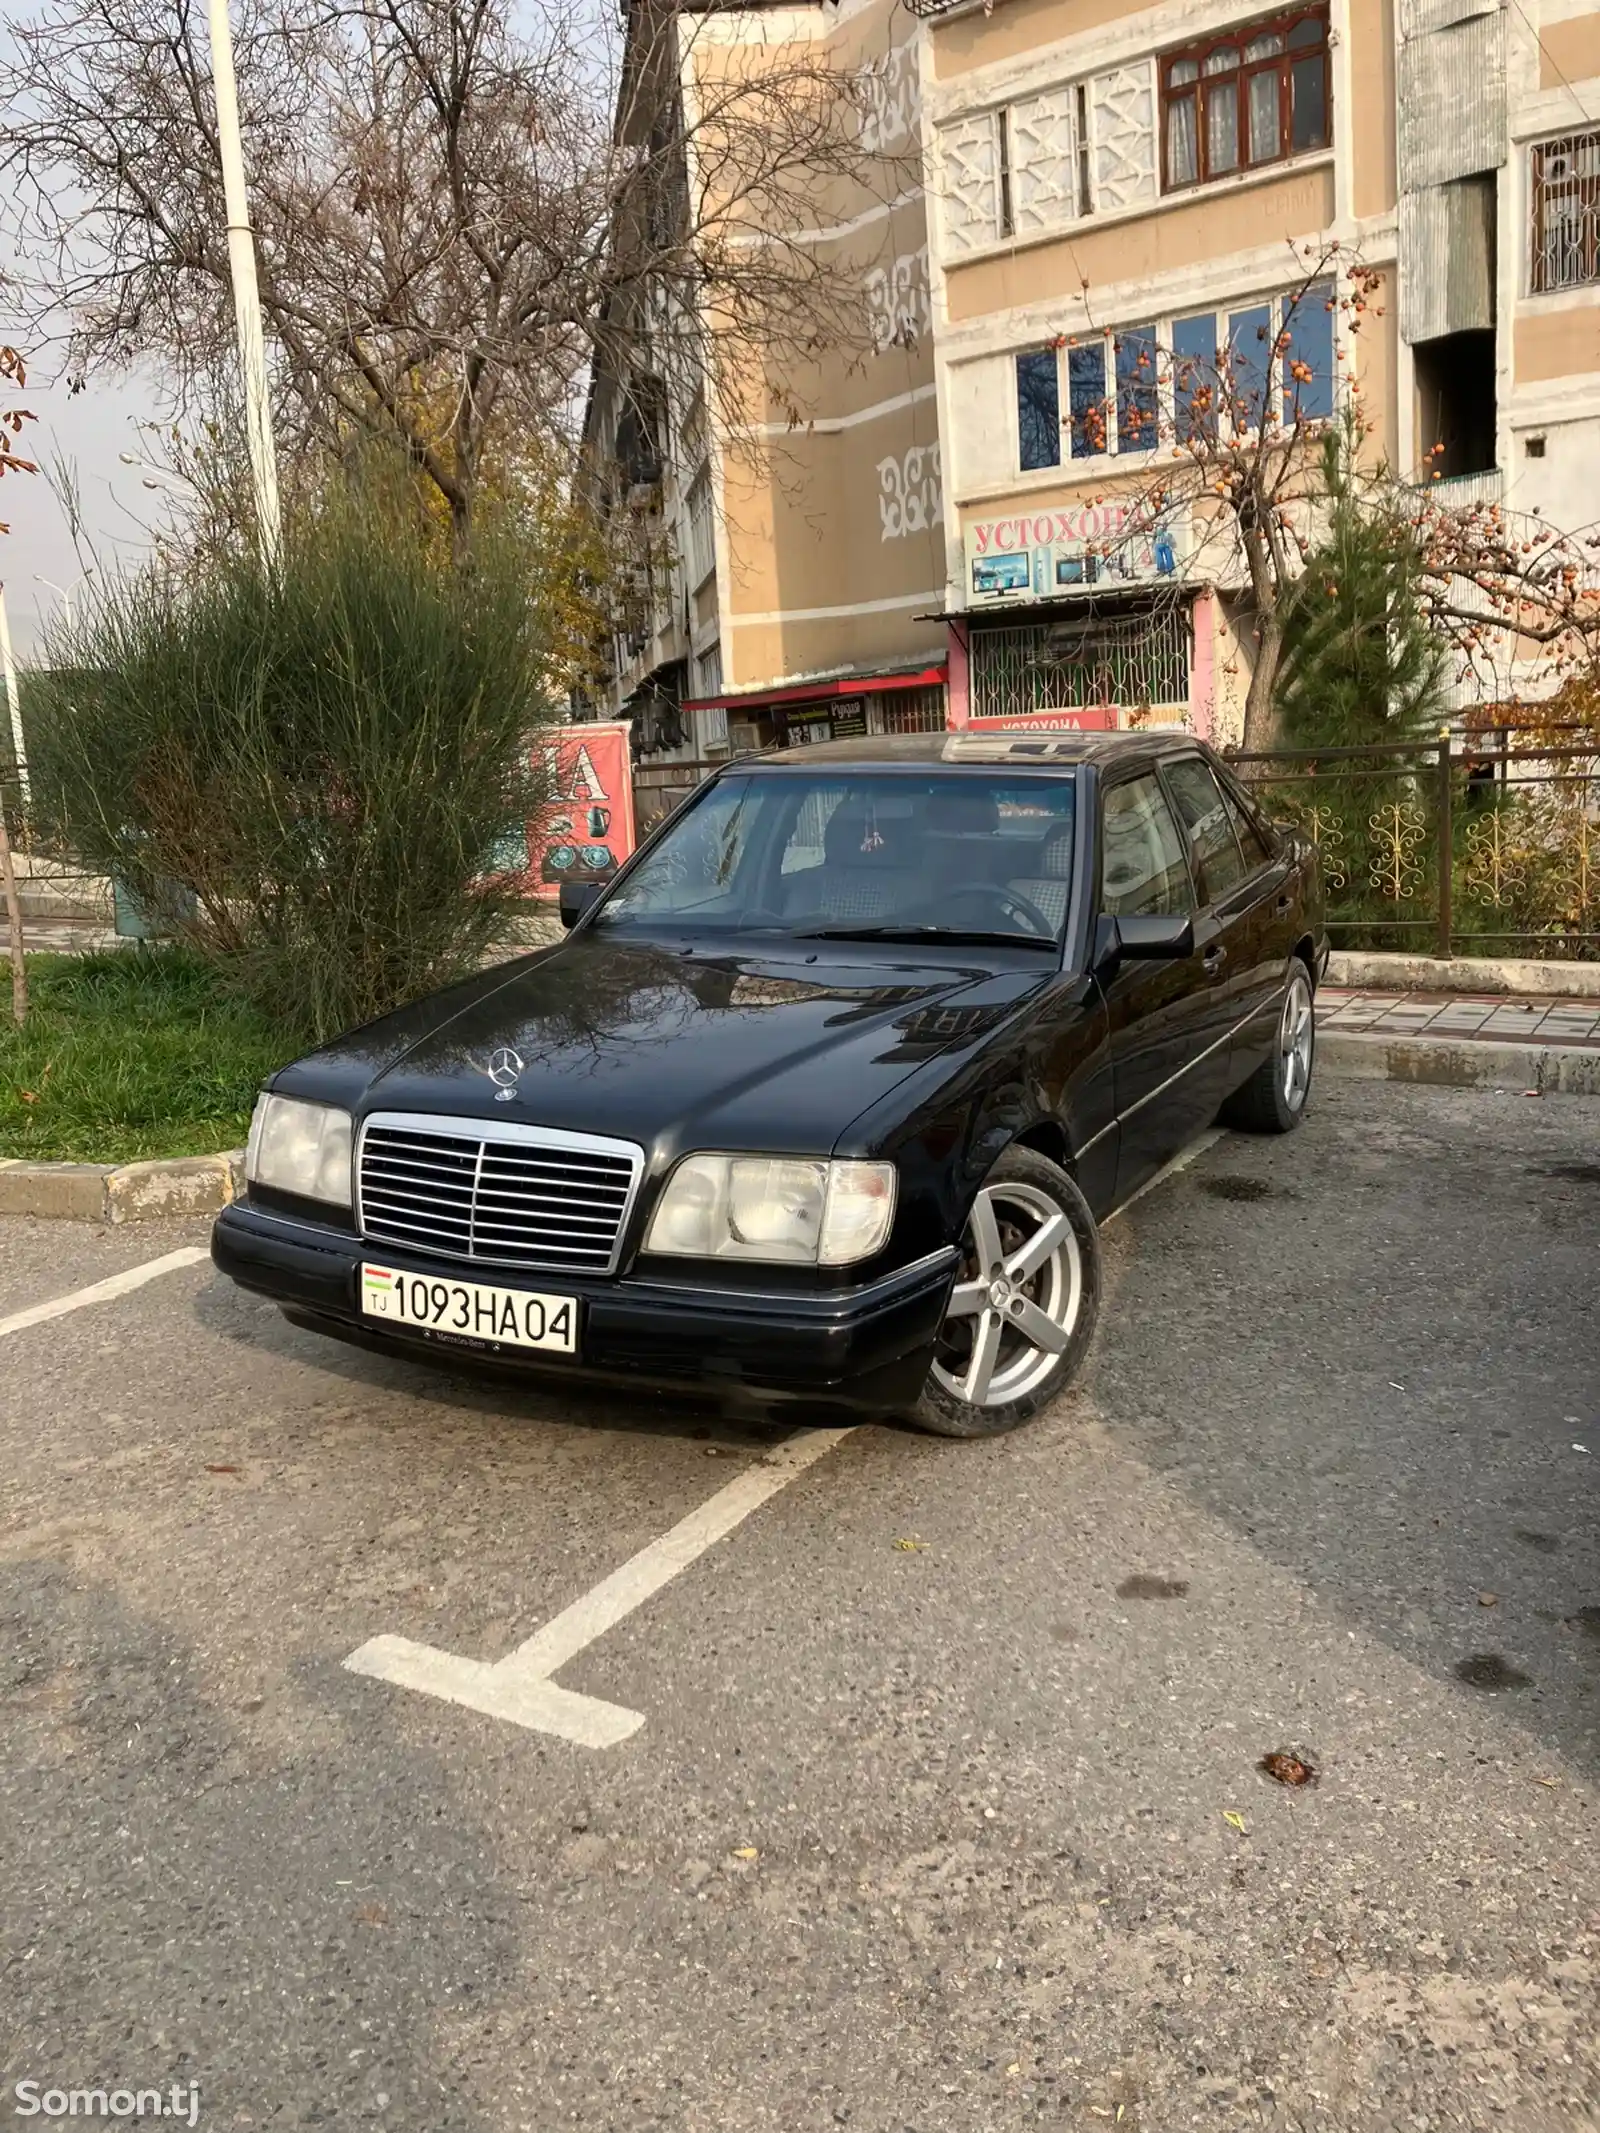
[(1122, 121), (899, 309), (969, 183), (1044, 160), (910, 493), (891, 101)]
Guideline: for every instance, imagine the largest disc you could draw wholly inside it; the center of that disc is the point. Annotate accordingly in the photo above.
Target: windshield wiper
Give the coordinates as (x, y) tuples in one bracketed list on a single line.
[(960, 936)]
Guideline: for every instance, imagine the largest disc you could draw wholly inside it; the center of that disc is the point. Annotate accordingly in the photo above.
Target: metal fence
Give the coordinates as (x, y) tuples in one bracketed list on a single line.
[(1447, 847)]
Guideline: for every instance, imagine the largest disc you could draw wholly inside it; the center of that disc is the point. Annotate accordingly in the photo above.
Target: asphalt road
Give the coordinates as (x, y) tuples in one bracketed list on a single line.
[(944, 1814)]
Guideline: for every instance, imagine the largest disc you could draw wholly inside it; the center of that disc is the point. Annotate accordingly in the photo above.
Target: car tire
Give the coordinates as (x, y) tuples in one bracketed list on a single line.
[(1274, 1099), (1022, 1311)]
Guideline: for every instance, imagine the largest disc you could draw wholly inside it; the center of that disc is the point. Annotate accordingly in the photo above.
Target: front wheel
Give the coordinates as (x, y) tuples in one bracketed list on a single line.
[(1273, 1100), (1022, 1312)]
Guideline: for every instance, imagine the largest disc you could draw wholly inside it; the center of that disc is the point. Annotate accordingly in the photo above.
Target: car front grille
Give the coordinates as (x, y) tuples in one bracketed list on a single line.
[(498, 1194)]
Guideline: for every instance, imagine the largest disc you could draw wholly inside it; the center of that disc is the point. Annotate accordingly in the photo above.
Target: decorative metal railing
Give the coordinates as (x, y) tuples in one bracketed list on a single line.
[(1448, 847)]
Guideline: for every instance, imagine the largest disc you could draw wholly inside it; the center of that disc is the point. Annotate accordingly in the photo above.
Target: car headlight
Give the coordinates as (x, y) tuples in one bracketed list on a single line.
[(774, 1207), (301, 1148)]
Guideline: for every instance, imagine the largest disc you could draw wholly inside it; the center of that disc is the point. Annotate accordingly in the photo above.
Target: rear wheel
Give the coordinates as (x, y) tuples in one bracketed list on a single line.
[(1273, 1100), (1022, 1312)]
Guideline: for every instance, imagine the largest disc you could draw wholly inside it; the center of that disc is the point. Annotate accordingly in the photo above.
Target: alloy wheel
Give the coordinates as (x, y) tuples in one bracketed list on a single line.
[(1296, 1037), (1016, 1300)]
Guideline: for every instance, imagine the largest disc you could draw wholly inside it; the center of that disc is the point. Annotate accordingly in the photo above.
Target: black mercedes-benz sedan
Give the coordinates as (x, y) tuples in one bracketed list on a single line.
[(824, 1094)]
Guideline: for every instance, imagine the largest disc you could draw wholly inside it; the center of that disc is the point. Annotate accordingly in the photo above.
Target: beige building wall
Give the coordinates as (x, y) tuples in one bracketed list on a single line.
[(1069, 75), (828, 489)]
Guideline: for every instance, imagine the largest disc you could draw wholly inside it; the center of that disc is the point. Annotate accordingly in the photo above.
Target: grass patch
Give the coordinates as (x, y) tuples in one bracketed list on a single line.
[(127, 1055)]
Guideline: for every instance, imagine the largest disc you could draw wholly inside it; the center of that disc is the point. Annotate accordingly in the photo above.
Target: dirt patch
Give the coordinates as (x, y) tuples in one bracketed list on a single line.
[(1143, 1587), (1488, 1670)]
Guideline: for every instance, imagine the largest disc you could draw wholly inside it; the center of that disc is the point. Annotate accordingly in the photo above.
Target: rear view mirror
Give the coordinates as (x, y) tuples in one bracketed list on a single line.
[(576, 897), (1146, 936)]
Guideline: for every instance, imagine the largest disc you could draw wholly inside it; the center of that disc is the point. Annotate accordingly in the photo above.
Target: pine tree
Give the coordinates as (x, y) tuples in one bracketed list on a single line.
[(1360, 662)]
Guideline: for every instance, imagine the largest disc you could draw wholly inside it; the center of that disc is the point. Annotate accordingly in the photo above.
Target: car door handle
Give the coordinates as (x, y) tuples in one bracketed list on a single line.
[(1213, 960), (1285, 906)]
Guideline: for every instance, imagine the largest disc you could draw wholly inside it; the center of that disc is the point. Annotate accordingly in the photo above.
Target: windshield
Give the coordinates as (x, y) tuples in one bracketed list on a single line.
[(964, 855)]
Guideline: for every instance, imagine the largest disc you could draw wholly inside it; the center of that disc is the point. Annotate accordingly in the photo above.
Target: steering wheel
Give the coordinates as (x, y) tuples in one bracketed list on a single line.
[(1008, 900)]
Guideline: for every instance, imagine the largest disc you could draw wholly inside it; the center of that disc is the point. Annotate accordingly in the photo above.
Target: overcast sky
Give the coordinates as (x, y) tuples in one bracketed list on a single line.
[(88, 433)]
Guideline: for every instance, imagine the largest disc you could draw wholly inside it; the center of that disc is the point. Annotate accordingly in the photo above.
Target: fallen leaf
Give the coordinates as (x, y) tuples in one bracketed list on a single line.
[(1553, 1783), (222, 1469), (1488, 1599), (910, 1545), (371, 1914), (1015, 2067), (27, 1096), (1287, 1767), (745, 1851), (1235, 1821)]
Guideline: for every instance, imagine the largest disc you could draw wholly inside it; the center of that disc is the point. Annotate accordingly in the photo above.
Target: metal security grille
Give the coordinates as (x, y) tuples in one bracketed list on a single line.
[(1565, 201), (1132, 661), (912, 710), (497, 1194)]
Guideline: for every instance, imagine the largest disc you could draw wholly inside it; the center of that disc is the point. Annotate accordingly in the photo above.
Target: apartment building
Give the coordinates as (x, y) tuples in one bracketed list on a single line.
[(1074, 199), (789, 531), (1117, 189)]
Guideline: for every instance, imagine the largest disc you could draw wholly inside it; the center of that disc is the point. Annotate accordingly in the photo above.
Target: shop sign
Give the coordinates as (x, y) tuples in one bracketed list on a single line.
[(1056, 554), (587, 828)]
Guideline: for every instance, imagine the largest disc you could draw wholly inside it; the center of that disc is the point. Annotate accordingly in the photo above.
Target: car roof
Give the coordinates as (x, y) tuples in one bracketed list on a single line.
[(978, 748)]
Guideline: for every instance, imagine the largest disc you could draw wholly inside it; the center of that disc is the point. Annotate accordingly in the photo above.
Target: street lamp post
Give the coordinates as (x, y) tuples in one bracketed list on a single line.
[(62, 592), (246, 292)]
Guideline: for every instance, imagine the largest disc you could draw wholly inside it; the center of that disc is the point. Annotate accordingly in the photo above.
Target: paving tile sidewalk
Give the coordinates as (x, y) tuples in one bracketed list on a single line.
[(1458, 1016)]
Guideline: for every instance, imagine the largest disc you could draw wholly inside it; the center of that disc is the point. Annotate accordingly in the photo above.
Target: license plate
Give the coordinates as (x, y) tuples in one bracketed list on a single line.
[(470, 1310)]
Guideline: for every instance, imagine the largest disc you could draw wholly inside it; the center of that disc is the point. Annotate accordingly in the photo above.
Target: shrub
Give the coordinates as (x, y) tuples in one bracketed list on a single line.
[(306, 774)]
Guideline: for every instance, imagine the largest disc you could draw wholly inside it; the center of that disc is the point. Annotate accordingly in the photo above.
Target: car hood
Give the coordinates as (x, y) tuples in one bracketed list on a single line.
[(675, 1049)]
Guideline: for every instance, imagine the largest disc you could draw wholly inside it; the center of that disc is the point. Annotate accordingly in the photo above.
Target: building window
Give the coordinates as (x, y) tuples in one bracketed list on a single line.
[(1255, 96), (1307, 343), (708, 670), (1086, 396), (1138, 412), (1178, 381), (699, 537), (1039, 409), (1565, 198)]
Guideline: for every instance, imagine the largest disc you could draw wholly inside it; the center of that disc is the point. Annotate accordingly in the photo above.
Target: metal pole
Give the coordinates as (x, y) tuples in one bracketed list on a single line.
[(1446, 847), (246, 293), (13, 702)]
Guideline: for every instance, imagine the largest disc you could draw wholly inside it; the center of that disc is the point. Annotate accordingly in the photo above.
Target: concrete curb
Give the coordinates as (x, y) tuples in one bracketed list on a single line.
[(122, 1192), (1432, 1062), (1361, 972)]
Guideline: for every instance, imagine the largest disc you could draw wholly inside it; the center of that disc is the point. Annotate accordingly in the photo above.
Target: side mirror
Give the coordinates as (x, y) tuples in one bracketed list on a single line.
[(1144, 937), (576, 897)]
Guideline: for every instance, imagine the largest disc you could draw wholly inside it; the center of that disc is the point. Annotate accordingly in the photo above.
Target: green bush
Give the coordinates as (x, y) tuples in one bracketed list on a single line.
[(306, 775)]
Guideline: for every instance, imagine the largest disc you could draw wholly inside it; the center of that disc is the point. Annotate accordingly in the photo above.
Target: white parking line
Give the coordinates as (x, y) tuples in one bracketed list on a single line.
[(519, 1686), (135, 1277)]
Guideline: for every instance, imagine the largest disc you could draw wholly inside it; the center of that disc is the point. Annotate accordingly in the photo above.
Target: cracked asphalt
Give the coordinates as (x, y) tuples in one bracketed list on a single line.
[(945, 1815)]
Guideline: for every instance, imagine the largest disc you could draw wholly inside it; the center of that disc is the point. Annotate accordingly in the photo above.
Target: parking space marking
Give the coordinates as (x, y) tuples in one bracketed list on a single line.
[(519, 1687), (134, 1277)]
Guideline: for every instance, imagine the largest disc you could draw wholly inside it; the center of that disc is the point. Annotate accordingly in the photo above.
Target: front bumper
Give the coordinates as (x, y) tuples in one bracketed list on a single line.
[(869, 1346)]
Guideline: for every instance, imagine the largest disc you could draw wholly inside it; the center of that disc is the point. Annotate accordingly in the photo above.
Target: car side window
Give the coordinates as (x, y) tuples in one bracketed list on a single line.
[(1218, 860), (1142, 869), (1251, 842)]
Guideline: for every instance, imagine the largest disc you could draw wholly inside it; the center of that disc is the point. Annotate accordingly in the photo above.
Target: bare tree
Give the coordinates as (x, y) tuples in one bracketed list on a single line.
[(1518, 601), (1224, 444), (453, 214)]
